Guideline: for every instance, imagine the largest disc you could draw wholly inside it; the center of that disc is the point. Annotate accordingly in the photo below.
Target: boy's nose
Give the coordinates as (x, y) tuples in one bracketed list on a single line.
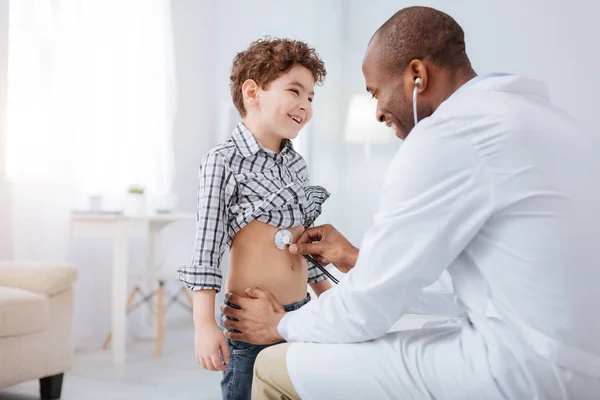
[(305, 105)]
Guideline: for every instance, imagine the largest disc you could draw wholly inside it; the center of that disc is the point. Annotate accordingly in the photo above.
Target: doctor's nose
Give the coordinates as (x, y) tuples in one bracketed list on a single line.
[(380, 117)]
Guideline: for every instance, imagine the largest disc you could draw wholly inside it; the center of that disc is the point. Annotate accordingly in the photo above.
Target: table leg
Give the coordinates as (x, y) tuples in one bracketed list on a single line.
[(119, 285), (151, 269)]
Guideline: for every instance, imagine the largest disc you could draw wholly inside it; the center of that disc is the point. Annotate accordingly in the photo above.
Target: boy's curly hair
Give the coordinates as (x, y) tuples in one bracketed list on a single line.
[(266, 59)]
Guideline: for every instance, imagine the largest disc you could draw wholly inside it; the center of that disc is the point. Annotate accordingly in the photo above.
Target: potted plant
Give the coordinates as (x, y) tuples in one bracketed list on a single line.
[(135, 203)]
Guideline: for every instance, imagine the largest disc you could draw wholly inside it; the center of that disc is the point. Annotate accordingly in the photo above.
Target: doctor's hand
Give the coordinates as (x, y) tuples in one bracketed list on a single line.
[(257, 318), (326, 245)]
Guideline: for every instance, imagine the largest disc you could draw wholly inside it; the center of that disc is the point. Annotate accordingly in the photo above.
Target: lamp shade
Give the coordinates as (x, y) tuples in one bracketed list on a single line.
[(361, 122)]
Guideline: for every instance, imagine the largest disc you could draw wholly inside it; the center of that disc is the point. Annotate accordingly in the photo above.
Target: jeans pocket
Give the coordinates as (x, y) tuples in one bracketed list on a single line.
[(238, 347)]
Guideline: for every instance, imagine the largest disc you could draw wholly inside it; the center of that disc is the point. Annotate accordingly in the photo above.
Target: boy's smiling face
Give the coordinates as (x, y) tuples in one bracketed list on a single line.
[(285, 106)]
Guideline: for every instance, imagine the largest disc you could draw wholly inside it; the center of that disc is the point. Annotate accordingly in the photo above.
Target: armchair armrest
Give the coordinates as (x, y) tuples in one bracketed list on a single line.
[(41, 278)]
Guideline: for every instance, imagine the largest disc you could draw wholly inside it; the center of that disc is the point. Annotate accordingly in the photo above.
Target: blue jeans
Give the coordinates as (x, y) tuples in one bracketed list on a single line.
[(237, 380)]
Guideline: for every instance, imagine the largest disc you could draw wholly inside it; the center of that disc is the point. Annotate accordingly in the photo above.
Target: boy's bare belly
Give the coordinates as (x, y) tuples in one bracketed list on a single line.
[(255, 261)]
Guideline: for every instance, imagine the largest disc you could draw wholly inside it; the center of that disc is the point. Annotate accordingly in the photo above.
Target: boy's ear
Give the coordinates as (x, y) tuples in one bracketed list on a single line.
[(250, 92)]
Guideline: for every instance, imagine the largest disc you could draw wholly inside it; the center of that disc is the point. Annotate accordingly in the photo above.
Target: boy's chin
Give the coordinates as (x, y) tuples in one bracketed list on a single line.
[(291, 134)]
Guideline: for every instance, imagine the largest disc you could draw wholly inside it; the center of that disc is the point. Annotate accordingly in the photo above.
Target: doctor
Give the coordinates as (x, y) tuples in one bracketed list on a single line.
[(494, 184)]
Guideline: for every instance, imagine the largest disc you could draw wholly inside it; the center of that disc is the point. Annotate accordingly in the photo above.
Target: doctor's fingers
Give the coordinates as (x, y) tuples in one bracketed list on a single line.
[(321, 260), (314, 234), (231, 324), (235, 300), (230, 311), (240, 337), (318, 248)]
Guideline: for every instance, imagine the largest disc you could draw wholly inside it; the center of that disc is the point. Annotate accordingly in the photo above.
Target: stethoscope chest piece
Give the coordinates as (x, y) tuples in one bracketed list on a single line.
[(283, 238)]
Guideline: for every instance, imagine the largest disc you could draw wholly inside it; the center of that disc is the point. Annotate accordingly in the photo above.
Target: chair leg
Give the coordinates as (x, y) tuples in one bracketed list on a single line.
[(188, 296), (159, 319), (127, 306), (51, 387)]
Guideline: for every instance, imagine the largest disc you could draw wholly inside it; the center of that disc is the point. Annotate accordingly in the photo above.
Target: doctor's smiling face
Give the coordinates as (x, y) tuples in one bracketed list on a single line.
[(416, 43), (392, 90)]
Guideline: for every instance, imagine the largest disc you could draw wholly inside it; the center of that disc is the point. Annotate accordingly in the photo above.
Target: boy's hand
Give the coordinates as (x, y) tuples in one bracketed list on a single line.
[(208, 341)]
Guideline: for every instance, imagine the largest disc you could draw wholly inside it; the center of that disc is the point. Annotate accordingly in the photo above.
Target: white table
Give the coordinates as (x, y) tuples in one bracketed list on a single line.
[(120, 228)]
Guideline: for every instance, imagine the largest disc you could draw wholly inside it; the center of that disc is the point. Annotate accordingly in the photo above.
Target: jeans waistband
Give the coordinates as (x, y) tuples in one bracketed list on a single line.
[(295, 306)]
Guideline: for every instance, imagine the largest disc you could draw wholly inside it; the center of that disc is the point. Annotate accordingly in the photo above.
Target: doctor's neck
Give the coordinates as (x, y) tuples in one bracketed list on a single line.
[(449, 81)]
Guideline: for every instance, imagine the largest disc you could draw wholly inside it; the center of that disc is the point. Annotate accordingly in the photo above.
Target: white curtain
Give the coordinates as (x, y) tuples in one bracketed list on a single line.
[(91, 95), (90, 100)]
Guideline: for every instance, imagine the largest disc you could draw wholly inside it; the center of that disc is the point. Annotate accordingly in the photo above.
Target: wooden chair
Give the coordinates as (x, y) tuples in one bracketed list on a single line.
[(161, 308)]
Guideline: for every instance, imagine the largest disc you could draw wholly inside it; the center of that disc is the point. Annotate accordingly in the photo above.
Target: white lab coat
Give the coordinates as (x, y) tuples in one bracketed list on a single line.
[(500, 188)]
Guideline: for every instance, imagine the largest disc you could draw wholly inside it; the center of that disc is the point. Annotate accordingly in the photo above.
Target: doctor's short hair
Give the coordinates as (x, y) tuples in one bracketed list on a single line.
[(267, 59), (422, 33)]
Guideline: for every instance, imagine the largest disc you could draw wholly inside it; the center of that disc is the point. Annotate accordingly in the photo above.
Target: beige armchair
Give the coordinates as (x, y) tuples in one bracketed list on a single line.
[(36, 324)]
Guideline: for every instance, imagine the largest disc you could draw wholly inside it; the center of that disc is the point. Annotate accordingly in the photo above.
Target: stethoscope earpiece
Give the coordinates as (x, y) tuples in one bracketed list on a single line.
[(417, 83)]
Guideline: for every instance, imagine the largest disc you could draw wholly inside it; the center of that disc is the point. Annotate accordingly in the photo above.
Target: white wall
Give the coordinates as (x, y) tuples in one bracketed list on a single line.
[(193, 25), (5, 194)]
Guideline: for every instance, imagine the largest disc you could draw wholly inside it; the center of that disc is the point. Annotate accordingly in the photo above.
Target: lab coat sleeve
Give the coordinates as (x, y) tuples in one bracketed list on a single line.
[(437, 195), (437, 299)]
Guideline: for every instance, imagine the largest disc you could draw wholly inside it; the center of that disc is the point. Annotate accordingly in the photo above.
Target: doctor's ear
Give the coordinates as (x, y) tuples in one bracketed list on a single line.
[(250, 92), (417, 71)]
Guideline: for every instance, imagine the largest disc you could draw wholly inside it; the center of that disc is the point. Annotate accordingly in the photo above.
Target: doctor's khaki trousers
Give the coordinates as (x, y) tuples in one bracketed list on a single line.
[(435, 363)]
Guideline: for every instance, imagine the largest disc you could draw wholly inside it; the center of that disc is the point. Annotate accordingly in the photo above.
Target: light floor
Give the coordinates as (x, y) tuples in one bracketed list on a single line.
[(175, 375)]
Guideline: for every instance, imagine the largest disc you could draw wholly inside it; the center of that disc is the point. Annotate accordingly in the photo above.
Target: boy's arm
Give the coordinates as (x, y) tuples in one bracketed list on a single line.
[(316, 195), (203, 305), (209, 343), (203, 276), (216, 186)]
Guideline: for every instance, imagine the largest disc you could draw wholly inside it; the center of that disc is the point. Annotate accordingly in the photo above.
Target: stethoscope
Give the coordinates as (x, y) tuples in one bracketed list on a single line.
[(283, 238), (417, 83)]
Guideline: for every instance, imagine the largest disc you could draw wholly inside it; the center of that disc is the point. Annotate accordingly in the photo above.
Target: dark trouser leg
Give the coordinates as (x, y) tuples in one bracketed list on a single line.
[(51, 386), (237, 380)]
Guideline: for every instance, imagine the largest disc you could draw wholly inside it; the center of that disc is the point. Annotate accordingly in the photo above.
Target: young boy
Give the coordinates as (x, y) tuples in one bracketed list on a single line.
[(250, 187)]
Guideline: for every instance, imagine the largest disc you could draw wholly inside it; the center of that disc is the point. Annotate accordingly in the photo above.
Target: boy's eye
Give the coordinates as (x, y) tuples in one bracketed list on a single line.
[(310, 99), (295, 91)]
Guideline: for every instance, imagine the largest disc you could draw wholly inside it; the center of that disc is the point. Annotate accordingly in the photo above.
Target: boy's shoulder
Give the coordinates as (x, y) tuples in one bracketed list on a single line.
[(224, 149)]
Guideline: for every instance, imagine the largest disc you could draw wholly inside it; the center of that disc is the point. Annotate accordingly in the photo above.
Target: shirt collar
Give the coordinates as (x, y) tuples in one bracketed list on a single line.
[(485, 76), (249, 146)]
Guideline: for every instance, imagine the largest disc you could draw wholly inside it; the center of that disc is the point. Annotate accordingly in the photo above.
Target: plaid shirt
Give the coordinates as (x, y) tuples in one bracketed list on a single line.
[(240, 181)]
